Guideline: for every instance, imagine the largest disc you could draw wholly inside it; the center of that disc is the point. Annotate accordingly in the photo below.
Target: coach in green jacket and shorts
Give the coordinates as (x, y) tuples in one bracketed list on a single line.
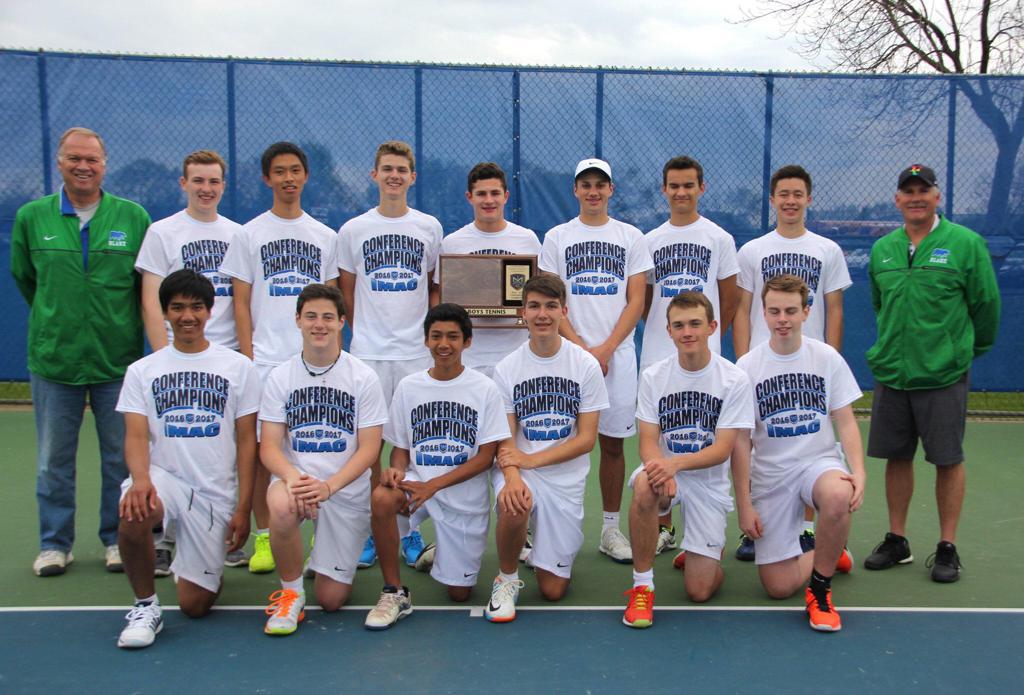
[(934, 292), (73, 259)]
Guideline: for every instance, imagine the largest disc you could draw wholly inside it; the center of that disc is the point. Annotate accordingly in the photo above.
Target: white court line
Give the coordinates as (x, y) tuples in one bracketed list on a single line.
[(473, 610)]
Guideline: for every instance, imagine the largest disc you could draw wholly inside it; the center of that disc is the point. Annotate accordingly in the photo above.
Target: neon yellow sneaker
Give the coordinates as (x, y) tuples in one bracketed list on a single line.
[(262, 560)]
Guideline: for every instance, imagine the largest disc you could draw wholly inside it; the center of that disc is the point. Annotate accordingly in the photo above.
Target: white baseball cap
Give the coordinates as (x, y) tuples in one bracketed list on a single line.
[(598, 164)]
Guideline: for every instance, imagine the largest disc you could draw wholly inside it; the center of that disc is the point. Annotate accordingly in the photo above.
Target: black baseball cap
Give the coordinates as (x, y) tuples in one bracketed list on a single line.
[(917, 172)]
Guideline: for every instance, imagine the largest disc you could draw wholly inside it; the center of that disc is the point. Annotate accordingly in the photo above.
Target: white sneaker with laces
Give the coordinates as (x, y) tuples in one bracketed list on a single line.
[(502, 606), (113, 559), (615, 545), (50, 563), (391, 607), (286, 610), (666, 540), (144, 623)]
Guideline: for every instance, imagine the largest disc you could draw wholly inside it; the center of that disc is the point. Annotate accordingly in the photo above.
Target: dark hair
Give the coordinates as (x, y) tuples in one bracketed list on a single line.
[(681, 163), (317, 291), (787, 283), (547, 285), (790, 171), (186, 283), (483, 171), (448, 312), (279, 148), (692, 300)]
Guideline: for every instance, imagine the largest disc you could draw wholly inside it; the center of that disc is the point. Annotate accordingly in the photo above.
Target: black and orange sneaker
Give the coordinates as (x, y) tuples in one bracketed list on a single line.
[(640, 608), (822, 617)]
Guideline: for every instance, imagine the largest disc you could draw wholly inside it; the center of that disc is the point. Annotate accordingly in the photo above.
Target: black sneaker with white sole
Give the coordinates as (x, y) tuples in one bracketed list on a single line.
[(894, 550)]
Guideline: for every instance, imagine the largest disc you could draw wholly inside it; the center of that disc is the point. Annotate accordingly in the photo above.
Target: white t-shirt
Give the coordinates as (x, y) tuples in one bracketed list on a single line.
[(279, 257), (323, 415), (181, 241), (490, 345), (689, 407), (596, 263), (393, 260), (546, 394), (691, 258), (793, 398), (442, 424), (192, 402), (816, 260)]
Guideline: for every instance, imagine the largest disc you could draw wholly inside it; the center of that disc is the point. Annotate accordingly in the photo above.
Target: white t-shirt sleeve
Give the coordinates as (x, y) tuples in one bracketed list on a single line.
[(745, 260), (504, 388), (373, 409), (844, 386), (548, 260), (646, 408), (430, 255), (273, 399), (236, 260), (251, 393), (330, 267), (152, 256), (132, 398), (343, 251), (395, 431), (493, 422), (727, 263), (838, 274), (738, 406), (594, 392), (638, 258)]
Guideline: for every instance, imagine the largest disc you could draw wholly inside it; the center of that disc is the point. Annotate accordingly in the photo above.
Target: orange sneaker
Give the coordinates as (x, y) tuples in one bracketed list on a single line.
[(679, 561), (845, 563), (822, 618), (285, 611), (640, 608)]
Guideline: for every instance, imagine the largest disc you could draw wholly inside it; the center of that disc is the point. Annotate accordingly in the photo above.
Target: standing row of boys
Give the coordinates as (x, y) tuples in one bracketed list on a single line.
[(527, 413)]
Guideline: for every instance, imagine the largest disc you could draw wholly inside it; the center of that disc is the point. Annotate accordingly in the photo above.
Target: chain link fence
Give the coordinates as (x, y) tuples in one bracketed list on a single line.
[(853, 133)]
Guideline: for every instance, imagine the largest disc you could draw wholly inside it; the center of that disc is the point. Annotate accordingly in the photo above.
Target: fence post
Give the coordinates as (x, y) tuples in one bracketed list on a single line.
[(599, 124), (766, 171), (517, 209), (232, 145), (951, 147), (44, 121), (418, 145)]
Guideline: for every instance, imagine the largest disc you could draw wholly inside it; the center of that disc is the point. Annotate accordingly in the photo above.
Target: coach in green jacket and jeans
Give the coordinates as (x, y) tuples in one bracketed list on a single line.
[(934, 291), (73, 259)]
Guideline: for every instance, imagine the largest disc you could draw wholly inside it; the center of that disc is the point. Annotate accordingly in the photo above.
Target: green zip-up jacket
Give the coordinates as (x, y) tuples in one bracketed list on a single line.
[(85, 325), (935, 313)]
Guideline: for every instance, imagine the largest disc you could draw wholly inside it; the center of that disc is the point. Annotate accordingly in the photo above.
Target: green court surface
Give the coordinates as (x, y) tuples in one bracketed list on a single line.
[(989, 543)]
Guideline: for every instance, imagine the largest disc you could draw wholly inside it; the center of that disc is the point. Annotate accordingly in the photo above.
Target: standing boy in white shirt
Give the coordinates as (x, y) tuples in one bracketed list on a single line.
[(604, 265)]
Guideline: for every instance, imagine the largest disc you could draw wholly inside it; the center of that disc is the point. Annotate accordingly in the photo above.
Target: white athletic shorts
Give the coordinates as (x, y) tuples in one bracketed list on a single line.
[(619, 419), (339, 532), (201, 528), (390, 372), (461, 541), (782, 511), (704, 514), (557, 523)]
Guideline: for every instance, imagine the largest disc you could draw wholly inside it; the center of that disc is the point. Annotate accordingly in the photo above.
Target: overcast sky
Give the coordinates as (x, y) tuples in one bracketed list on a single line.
[(683, 34)]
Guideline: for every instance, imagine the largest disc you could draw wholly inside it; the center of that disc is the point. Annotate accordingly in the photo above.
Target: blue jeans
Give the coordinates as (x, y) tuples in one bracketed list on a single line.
[(59, 409)]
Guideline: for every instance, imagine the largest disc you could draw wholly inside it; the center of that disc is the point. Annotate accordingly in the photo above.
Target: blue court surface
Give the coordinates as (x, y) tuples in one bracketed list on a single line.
[(543, 651)]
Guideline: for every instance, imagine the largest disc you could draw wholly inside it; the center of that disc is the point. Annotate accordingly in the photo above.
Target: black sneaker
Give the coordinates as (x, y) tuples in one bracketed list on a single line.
[(162, 568), (945, 563), (807, 541), (745, 550), (894, 550)]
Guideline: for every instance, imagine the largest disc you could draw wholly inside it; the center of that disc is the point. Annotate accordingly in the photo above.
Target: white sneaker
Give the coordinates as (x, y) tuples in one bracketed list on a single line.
[(113, 559), (391, 607), (426, 559), (285, 611), (144, 622), (524, 554), (50, 563), (502, 606), (615, 545), (666, 539)]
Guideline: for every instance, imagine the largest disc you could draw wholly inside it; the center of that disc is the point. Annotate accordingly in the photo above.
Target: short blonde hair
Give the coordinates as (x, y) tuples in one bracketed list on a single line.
[(396, 147), (79, 130), (204, 157)]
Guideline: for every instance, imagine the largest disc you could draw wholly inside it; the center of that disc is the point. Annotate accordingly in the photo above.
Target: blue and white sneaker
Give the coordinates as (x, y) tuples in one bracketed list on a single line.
[(412, 548), (144, 622), (369, 554)]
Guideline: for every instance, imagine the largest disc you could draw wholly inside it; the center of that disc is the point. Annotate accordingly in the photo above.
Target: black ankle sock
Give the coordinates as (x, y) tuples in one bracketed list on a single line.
[(820, 585)]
